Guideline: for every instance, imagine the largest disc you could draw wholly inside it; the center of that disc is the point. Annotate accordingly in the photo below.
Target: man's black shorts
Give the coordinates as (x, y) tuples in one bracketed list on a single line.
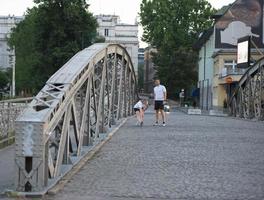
[(159, 105)]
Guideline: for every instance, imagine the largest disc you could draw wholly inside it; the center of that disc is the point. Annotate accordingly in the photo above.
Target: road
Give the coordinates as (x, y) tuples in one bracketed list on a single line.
[(192, 158), (7, 171)]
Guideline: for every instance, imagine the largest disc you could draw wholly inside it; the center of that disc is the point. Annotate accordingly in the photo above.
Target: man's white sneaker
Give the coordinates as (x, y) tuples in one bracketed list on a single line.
[(164, 124), (156, 124)]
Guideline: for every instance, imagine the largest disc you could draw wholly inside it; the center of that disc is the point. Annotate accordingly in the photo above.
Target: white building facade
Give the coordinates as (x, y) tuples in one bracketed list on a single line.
[(6, 55), (115, 32)]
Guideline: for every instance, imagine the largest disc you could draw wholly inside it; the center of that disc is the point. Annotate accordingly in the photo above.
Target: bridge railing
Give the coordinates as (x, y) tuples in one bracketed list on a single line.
[(248, 99), (9, 111), (79, 105)]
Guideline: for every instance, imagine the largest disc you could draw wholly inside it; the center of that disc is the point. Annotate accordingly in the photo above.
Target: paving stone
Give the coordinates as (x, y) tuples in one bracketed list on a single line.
[(193, 157)]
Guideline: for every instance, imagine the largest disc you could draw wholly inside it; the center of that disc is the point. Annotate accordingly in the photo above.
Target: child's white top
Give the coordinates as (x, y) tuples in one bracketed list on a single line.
[(138, 105)]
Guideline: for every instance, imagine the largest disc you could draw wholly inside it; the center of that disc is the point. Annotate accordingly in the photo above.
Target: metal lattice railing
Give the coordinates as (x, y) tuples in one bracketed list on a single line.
[(9, 111), (248, 100)]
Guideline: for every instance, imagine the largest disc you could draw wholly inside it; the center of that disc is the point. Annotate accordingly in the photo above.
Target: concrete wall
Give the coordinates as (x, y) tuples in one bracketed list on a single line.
[(206, 71), (206, 61)]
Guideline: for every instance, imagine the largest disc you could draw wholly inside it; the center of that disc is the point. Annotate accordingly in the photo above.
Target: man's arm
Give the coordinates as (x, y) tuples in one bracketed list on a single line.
[(165, 94)]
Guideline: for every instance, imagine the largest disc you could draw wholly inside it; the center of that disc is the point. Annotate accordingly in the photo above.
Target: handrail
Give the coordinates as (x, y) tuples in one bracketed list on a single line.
[(27, 99)]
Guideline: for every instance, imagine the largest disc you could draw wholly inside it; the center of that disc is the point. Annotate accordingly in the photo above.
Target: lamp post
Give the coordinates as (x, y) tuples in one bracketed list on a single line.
[(12, 63), (14, 74)]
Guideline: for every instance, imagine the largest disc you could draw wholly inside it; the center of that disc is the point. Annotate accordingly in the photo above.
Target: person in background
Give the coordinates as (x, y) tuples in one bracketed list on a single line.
[(160, 95), (181, 95)]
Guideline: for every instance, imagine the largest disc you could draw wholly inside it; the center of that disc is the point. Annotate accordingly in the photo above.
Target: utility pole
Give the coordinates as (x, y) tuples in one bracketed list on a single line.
[(13, 73)]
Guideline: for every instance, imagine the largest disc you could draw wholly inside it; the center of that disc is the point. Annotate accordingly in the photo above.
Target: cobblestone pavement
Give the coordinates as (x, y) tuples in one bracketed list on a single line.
[(7, 170), (192, 158)]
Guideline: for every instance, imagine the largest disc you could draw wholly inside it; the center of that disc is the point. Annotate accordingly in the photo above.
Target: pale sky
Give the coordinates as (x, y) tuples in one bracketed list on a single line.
[(126, 9)]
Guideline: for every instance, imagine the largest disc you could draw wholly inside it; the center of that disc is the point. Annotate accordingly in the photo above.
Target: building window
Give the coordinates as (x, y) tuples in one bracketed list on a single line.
[(230, 68), (106, 32), (230, 64)]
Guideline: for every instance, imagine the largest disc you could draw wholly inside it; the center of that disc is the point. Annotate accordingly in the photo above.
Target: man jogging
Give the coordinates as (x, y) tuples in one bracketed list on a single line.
[(160, 95)]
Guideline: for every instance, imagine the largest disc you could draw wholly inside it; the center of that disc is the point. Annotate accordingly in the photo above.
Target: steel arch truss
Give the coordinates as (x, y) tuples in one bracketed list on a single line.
[(248, 100), (76, 108)]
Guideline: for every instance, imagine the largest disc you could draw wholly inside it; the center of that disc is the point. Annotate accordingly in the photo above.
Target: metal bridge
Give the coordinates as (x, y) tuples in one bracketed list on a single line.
[(248, 100), (78, 105)]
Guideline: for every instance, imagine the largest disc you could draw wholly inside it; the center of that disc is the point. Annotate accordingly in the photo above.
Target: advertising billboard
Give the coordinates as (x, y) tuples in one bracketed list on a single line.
[(243, 52)]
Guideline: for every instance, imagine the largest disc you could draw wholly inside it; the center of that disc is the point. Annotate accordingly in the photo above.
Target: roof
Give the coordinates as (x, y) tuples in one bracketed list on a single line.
[(221, 12), (203, 38)]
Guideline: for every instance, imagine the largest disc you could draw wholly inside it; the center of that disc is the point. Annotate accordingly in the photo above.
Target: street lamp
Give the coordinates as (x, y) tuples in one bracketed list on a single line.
[(12, 63), (14, 74)]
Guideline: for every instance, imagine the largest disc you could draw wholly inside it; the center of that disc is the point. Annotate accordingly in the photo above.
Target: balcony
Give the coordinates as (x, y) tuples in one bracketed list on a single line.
[(230, 71)]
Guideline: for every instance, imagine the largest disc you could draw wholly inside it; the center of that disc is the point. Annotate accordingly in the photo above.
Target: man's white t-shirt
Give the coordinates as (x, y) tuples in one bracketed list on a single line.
[(138, 105), (159, 92)]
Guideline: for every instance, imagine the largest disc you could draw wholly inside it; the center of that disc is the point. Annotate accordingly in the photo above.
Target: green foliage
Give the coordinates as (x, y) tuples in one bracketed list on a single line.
[(177, 69), (172, 27), (4, 79), (51, 33), (99, 39)]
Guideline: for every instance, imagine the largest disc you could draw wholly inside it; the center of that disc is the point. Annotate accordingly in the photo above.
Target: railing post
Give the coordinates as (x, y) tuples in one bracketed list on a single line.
[(125, 92), (130, 95), (31, 161), (100, 110), (261, 71), (111, 117), (120, 89)]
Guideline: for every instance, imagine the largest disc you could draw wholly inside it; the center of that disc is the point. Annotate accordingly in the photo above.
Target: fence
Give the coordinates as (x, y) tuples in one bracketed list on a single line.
[(9, 111)]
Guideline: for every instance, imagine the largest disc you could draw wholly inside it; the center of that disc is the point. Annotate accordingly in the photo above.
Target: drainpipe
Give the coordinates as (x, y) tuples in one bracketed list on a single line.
[(207, 95), (204, 74)]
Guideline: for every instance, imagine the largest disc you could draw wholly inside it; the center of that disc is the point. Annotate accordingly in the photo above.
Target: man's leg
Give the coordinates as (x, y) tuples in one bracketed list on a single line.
[(163, 116), (156, 112), (157, 116)]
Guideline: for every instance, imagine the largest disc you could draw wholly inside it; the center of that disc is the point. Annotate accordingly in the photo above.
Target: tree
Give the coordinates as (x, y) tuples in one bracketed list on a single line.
[(51, 33), (141, 76), (172, 27), (4, 80)]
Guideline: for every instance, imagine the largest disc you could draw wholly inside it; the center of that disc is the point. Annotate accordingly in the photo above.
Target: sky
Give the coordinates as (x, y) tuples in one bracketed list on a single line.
[(126, 9)]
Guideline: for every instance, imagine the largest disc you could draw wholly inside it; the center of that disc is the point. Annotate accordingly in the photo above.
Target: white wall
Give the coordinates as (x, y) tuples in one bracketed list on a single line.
[(209, 61), (206, 72), (125, 34), (6, 24)]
